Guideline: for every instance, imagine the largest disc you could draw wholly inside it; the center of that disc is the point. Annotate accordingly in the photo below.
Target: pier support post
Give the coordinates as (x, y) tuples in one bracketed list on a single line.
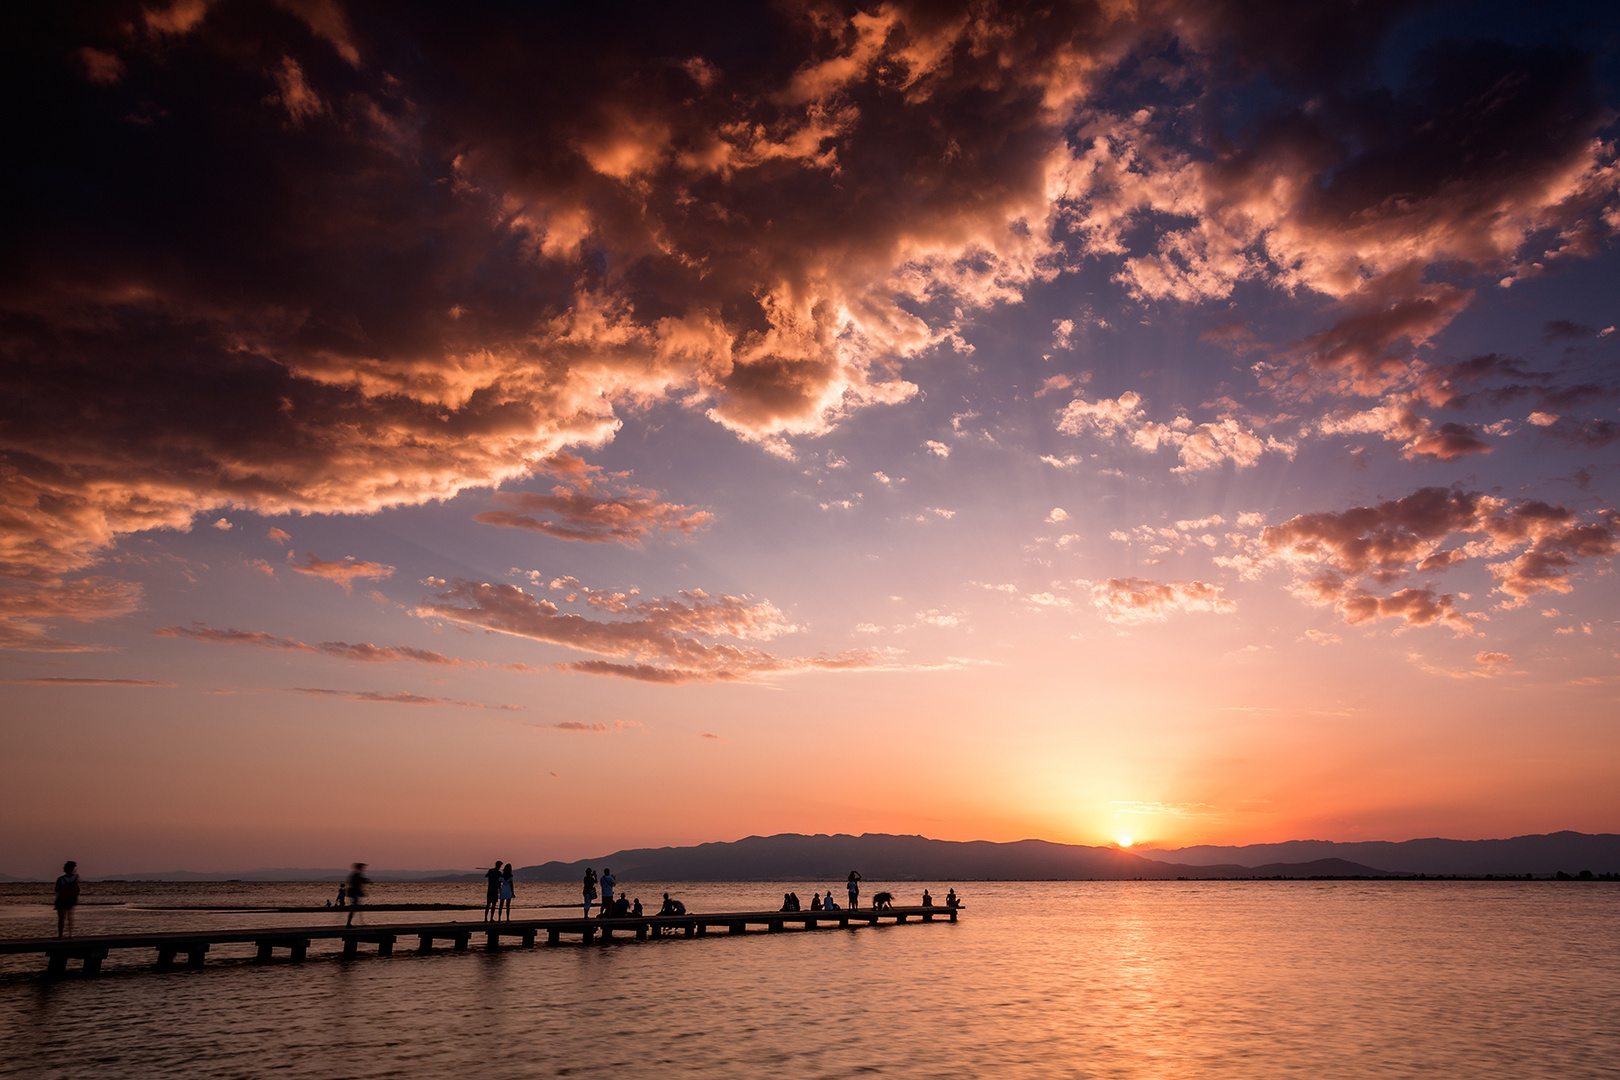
[(298, 949), (641, 932), (737, 927), (773, 926), (528, 939), (351, 948), (385, 945), (607, 934), (492, 940), (92, 961), (899, 918), (552, 936), (953, 914), (424, 943), (692, 930), (590, 934), (461, 942)]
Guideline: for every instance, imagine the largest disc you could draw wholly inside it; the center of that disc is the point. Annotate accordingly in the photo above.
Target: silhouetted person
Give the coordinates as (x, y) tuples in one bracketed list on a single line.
[(854, 887), (787, 901), (620, 908), (67, 897), (357, 890), (830, 904), (492, 890), (951, 901), (608, 881), (815, 902), (343, 895), (928, 901), (672, 907), (635, 909), (507, 892), (590, 890)]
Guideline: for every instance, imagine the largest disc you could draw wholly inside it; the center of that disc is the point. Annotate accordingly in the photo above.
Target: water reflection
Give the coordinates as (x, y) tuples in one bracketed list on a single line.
[(1038, 980)]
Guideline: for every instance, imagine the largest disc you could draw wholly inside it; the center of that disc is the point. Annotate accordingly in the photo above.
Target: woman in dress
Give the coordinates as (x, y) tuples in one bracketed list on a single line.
[(506, 893)]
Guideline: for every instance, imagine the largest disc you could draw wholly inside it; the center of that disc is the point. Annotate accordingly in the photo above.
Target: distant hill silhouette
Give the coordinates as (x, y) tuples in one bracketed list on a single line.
[(1542, 855), (885, 857)]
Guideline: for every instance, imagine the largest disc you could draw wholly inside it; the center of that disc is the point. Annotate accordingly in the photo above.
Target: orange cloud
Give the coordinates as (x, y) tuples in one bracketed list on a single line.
[(28, 610), (344, 571), (661, 637), (1132, 601), (589, 510)]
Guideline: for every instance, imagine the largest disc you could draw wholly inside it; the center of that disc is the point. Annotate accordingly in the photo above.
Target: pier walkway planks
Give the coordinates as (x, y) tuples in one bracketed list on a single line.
[(91, 950)]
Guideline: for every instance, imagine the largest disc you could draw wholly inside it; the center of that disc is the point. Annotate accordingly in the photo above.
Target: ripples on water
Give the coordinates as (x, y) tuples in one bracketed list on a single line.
[(1071, 979)]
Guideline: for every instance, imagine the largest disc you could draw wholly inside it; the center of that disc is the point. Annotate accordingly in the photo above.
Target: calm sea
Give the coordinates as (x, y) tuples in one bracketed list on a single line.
[(1115, 979)]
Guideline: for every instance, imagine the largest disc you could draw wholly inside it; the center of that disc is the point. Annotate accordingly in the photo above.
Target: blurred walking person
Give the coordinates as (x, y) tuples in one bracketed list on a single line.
[(357, 890)]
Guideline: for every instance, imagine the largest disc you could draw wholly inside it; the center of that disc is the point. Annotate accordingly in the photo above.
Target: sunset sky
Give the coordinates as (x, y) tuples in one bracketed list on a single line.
[(434, 432)]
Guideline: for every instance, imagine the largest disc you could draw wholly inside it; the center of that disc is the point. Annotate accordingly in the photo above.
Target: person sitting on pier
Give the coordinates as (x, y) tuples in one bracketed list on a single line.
[(951, 901), (815, 902), (830, 904), (672, 907), (620, 909), (635, 909), (928, 901)]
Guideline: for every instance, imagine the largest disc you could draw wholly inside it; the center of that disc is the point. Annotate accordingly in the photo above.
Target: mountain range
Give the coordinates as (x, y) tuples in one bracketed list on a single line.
[(882, 856), (798, 857)]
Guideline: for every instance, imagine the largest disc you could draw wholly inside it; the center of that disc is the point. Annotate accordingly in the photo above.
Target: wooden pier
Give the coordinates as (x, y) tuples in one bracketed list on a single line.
[(169, 946)]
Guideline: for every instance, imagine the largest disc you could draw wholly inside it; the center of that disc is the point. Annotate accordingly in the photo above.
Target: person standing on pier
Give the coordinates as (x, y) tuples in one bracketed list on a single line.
[(608, 881), (357, 890), (492, 891), (590, 889), (506, 892), (854, 890), (67, 897)]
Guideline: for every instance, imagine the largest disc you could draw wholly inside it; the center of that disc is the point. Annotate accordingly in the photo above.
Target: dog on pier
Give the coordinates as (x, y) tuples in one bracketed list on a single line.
[(882, 901)]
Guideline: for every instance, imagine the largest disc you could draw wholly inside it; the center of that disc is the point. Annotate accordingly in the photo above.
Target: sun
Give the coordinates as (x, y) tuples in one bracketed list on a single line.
[(1125, 841)]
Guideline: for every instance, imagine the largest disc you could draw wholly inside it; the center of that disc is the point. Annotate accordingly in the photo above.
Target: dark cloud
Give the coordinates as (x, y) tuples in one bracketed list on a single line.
[(363, 652), (62, 680), (397, 697), (321, 257), (1564, 330), (1334, 552)]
